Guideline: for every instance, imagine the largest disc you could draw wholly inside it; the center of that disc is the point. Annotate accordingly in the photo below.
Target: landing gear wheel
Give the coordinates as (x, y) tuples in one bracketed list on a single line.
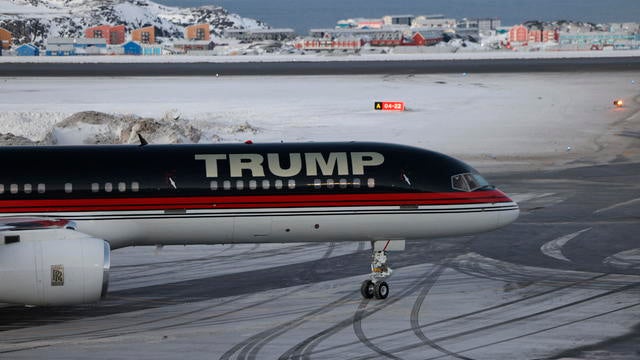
[(367, 289), (381, 290)]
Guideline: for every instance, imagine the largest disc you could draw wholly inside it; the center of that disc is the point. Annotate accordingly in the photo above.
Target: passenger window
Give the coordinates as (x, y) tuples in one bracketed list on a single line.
[(226, 185), (13, 188), (371, 183), (253, 184), (317, 183), (68, 188), (122, 187), (1, 188), (27, 188), (240, 184), (356, 183), (343, 183), (135, 186), (108, 187), (95, 187), (41, 189), (213, 185), (291, 184), (330, 183), (278, 184), (266, 184)]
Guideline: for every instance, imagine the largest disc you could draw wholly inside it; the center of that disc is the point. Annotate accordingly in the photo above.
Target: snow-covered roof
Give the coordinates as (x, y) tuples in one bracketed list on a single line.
[(60, 48), (29, 46), (60, 41), (428, 33), (94, 41)]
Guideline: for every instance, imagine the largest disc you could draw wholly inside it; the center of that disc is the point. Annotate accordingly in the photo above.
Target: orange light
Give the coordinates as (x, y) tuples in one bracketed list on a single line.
[(618, 103)]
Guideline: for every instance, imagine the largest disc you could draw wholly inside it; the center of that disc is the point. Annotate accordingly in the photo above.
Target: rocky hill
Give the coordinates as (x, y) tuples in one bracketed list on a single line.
[(36, 20)]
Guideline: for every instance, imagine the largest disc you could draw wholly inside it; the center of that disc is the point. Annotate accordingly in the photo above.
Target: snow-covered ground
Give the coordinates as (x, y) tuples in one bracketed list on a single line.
[(493, 121)]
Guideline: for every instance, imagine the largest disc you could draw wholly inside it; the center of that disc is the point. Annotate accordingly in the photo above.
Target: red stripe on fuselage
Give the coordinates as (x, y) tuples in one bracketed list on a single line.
[(251, 201)]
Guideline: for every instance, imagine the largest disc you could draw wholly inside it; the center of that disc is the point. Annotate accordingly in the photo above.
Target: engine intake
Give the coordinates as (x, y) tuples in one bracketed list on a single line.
[(54, 267)]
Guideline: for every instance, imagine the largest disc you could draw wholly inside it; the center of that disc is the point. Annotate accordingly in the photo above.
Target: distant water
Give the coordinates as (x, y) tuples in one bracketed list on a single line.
[(302, 15)]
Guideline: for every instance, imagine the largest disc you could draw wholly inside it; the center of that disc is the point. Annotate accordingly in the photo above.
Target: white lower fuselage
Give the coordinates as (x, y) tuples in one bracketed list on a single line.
[(282, 225)]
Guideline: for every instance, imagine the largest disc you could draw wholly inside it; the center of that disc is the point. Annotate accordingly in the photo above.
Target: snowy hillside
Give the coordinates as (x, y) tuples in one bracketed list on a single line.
[(36, 20)]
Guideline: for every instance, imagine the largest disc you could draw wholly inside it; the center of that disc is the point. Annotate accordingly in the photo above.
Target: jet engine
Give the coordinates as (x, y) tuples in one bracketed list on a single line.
[(52, 267)]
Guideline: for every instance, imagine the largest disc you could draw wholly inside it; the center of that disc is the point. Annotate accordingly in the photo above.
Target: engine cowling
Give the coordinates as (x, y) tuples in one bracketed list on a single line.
[(53, 267)]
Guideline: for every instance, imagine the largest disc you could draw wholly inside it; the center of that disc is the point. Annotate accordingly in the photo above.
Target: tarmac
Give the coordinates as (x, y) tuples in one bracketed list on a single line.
[(563, 281)]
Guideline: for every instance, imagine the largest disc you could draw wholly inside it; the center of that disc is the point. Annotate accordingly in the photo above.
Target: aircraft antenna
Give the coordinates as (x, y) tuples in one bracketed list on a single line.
[(143, 142)]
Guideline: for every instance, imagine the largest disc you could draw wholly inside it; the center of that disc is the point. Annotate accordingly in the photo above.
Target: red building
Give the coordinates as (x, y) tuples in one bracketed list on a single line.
[(518, 33), (112, 34), (425, 38), (542, 36)]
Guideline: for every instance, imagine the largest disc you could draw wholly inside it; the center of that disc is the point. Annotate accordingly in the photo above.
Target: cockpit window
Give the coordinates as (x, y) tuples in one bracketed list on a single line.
[(469, 182)]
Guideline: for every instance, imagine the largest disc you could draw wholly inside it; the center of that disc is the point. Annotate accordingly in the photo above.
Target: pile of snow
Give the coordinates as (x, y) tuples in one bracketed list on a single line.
[(93, 127)]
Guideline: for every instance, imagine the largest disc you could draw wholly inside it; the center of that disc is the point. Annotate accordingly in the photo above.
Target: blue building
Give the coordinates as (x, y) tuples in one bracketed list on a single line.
[(151, 50), (27, 50), (132, 48)]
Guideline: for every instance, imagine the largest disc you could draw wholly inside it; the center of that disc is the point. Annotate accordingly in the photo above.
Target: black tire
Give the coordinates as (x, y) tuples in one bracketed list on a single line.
[(367, 289), (381, 290)]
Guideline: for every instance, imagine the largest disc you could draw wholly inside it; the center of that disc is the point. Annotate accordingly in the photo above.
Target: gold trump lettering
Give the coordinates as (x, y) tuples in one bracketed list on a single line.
[(311, 164)]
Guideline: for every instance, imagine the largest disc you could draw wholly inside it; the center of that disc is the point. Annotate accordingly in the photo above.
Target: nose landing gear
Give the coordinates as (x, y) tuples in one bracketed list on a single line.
[(376, 286)]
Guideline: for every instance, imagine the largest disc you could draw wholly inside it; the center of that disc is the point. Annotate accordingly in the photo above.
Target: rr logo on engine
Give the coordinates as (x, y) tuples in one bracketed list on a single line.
[(57, 275)]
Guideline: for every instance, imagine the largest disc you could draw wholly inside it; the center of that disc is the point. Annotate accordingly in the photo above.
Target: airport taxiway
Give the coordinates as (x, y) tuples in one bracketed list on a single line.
[(301, 65), (493, 296)]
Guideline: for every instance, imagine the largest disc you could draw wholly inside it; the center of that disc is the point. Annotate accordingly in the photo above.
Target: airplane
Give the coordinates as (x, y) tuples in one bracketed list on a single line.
[(64, 208)]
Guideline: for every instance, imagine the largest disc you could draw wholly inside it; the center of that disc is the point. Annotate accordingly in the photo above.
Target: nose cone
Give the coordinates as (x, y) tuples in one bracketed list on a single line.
[(510, 213), (509, 216)]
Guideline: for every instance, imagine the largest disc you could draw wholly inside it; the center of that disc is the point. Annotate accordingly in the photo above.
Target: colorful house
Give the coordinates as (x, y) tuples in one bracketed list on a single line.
[(5, 38), (197, 32), (425, 38), (132, 48), (545, 35), (27, 50), (114, 35), (151, 50), (145, 35), (518, 33)]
